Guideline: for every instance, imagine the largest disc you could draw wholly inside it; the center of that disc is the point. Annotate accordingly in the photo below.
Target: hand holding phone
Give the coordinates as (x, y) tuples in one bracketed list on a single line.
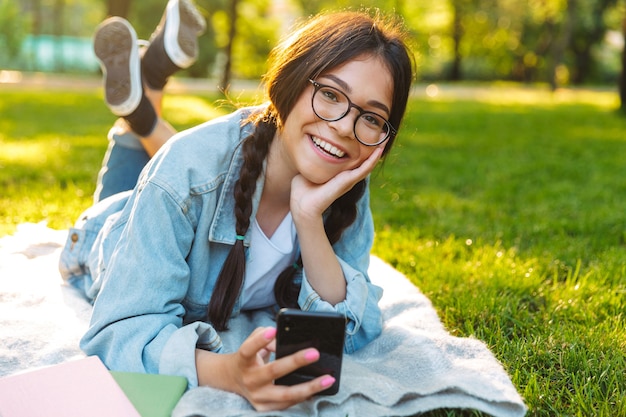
[(297, 330)]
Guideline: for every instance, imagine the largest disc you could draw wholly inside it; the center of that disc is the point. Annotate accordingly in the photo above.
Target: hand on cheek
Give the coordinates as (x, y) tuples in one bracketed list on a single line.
[(309, 201)]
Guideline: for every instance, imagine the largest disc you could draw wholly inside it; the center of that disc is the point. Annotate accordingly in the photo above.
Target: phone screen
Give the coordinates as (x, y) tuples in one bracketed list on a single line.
[(297, 330)]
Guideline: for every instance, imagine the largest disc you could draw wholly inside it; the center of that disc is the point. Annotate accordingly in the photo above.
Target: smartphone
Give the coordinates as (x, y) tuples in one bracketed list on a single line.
[(297, 330)]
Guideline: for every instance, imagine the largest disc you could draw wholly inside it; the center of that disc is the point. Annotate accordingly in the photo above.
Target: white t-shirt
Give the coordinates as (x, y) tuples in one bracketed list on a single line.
[(267, 258)]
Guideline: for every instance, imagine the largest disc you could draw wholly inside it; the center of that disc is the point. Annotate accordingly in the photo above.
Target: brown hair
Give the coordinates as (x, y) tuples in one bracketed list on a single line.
[(321, 44)]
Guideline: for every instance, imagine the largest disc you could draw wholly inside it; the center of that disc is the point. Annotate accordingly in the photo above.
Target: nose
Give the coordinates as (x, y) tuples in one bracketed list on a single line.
[(345, 125)]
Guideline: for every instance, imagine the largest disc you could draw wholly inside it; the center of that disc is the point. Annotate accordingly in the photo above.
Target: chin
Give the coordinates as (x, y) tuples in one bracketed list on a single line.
[(317, 175)]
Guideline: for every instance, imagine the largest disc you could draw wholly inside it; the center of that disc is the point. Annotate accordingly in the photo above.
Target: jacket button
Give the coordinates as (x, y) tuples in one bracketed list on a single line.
[(74, 239)]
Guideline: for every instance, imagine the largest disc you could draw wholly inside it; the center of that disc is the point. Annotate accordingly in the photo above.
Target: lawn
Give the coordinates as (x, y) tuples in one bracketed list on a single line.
[(505, 205)]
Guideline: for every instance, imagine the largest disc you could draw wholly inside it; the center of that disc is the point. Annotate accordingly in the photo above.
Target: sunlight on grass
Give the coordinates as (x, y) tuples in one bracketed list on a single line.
[(503, 94), (605, 99), (23, 153), (543, 322), (186, 111), (183, 109)]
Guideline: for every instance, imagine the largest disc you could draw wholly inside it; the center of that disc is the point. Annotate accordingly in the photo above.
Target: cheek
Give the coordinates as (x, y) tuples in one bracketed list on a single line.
[(300, 116), (364, 153), (302, 107)]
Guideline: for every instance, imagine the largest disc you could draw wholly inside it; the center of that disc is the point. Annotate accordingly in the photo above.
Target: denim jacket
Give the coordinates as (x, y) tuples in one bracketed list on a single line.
[(149, 258)]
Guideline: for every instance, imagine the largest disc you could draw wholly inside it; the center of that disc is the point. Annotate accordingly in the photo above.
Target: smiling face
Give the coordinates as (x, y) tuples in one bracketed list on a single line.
[(318, 149)]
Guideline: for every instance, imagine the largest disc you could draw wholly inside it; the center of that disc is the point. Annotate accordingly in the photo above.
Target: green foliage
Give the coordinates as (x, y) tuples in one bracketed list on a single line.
[(499, 39), (516, 39), (207, 48), (504, 205), (257, 34), (314, 6), (13, 27)]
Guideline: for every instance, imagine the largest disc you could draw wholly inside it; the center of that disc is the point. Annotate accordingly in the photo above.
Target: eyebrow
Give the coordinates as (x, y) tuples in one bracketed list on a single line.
[(346, 87)]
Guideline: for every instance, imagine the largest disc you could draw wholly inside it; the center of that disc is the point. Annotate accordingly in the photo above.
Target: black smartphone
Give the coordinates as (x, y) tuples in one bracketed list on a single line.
[(297, 330)]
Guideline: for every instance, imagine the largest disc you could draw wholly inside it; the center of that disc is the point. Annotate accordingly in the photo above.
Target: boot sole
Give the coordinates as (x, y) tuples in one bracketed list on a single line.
[(115, 46), (183, 24)]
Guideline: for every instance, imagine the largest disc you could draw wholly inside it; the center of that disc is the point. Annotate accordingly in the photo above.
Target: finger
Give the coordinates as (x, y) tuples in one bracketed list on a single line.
[(372, 160), (367, 166), (258, 340), (268, 350), (287, 396), (351, 177), (307, 389), (272, 346), (283, 366)]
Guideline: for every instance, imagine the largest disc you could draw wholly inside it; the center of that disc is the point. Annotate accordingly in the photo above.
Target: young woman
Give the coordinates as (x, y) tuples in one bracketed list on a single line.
[(263, 208)]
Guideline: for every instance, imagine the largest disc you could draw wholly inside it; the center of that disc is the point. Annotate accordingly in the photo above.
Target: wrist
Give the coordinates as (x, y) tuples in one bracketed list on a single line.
[(212, 370), (307, 221)]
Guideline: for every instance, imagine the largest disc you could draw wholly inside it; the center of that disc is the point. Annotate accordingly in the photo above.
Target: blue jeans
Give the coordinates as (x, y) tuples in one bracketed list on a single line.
[(122, 164)]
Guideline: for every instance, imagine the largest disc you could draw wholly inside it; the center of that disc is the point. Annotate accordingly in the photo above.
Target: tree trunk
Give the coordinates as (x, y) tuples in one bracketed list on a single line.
[(583, 65), (118, 8), (622, 81), (457, 36), (585, 39), (36, 22), (57, 19), (36, 31), (232, 32), (559, 47)]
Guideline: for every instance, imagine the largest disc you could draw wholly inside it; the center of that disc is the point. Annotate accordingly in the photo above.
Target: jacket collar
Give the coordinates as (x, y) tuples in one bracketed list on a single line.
[(222, 228)]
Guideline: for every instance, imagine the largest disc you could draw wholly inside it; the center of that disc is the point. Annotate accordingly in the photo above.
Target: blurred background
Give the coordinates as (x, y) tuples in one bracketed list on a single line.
[(555, 42)]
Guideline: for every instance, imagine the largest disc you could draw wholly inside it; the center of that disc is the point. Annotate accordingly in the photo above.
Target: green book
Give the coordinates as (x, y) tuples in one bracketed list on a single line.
[(152, 395)]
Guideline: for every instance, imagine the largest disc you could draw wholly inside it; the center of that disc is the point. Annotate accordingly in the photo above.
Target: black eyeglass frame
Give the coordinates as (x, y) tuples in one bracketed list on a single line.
[(391, 131)]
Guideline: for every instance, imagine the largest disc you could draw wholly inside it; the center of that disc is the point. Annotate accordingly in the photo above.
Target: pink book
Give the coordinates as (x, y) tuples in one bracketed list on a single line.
[(73, 389)]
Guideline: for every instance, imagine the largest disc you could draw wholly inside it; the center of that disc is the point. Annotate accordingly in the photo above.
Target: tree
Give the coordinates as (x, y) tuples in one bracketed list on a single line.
[(12, 28), (457, 37), (589, 31), (37, 19), (244, 46), (58, 10), (118, 8), (622, 82), (561, 42), (232, 32)]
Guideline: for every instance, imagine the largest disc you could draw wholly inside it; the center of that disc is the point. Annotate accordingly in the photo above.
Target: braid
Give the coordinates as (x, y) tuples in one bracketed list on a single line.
[(339, 216), (230, 279), (286, 289)]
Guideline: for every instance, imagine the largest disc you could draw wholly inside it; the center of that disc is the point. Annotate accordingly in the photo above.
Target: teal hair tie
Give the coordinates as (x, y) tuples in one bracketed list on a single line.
[(239, 237), (295, 266)]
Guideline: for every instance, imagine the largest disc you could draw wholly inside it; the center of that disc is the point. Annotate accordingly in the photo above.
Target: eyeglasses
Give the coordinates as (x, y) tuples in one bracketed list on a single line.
[(331, 104)]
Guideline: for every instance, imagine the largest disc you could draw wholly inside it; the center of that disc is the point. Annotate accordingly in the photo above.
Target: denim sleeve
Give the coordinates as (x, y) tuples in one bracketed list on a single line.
[(364, 318), (137, 321)]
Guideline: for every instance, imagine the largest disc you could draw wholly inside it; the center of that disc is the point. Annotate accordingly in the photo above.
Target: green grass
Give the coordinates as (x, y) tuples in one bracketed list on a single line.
[(51, 147), (509, 212), (507, 209)]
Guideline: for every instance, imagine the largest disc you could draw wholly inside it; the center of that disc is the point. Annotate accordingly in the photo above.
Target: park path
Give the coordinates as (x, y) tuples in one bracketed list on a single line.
[(71, 82), (31, 81)]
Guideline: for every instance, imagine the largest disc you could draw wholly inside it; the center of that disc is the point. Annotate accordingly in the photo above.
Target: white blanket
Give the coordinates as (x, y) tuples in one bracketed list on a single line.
[(414, 366)]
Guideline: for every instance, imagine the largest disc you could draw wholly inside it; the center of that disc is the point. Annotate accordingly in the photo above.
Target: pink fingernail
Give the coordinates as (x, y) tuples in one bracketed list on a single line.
[(328, 381), (269, 333), (312, 355)]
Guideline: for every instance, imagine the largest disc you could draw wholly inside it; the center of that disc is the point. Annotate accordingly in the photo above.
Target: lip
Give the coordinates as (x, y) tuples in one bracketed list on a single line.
[(327, 149)]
